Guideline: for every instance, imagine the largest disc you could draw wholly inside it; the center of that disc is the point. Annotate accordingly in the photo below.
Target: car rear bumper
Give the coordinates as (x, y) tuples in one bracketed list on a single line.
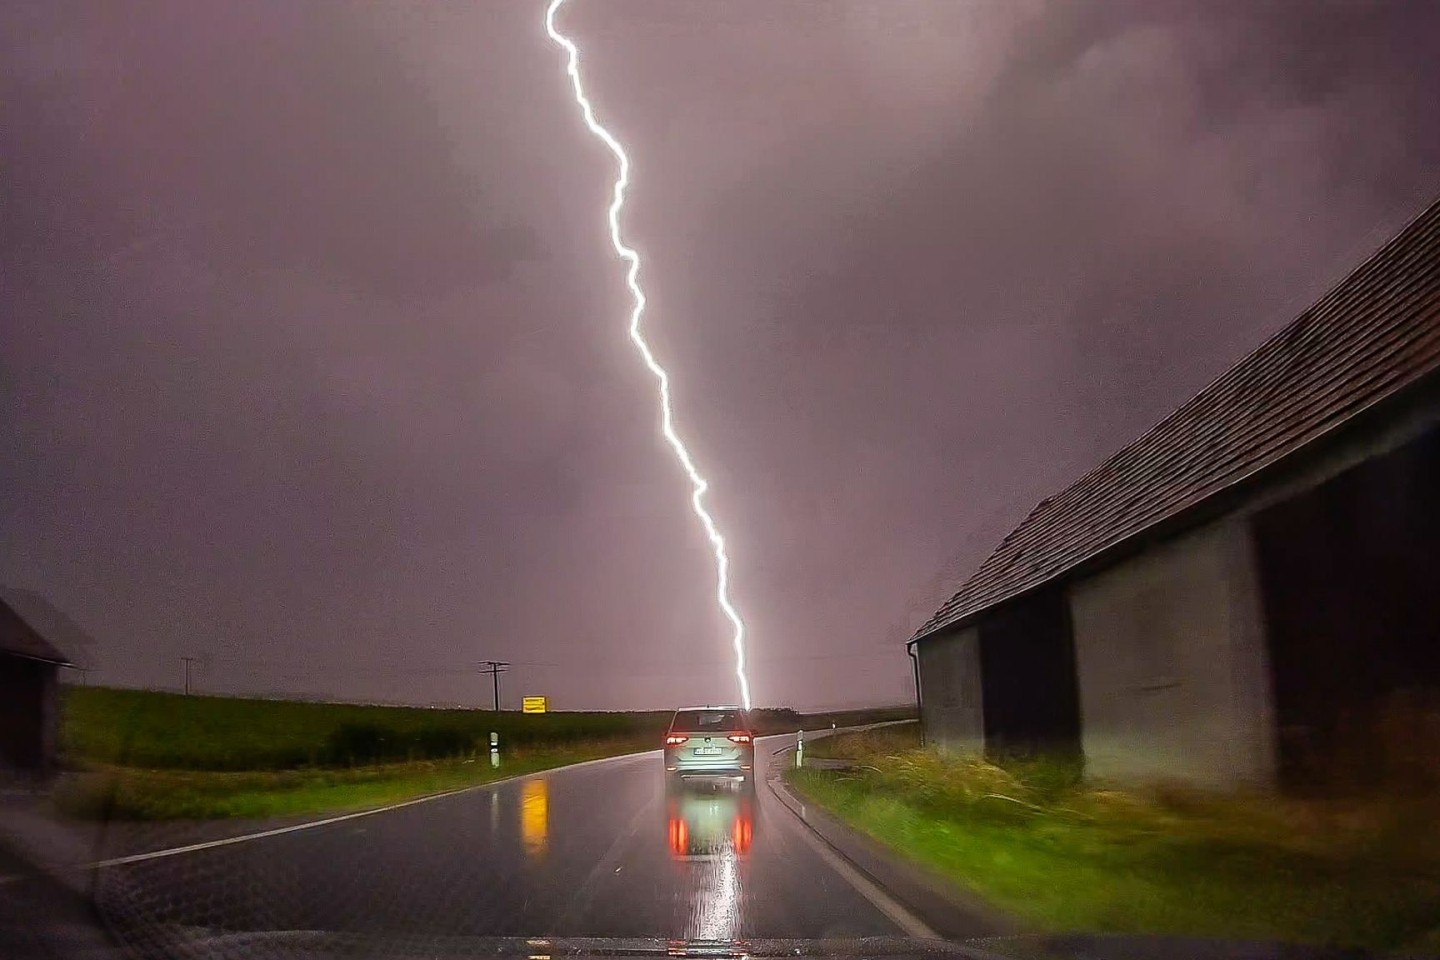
[(710, 767), (711, 770)]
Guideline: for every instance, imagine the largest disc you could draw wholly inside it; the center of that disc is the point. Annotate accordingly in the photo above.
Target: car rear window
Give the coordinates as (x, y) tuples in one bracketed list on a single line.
[(699, 721)]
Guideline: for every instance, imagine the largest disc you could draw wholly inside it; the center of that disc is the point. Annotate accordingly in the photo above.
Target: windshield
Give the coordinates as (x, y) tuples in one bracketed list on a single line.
[(705, 721), (534, 477)]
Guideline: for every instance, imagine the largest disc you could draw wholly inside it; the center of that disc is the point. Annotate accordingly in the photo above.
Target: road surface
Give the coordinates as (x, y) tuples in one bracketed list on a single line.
[(596, 850)]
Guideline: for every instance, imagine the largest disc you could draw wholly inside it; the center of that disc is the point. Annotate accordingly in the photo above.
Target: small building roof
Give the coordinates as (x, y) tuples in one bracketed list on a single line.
[(19, 639), (1372, 336)]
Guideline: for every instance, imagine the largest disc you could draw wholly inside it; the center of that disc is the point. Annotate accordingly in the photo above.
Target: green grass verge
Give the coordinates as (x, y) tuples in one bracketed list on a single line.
[(1061, 854), (123, 793), (865, 743), (160, 756)]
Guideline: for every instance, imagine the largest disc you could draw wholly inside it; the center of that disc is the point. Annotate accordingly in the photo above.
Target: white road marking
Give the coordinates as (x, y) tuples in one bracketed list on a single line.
[(910, 924), (583, 896), (309, 824)]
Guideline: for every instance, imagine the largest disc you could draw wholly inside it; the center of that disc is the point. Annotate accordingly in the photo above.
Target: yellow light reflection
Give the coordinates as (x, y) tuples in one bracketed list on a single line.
[(535, 815)]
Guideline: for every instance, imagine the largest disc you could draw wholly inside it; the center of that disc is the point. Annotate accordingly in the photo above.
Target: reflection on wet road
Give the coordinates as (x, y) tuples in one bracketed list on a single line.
[(597, 850), (535, 815), (712, 827), (710, 821)]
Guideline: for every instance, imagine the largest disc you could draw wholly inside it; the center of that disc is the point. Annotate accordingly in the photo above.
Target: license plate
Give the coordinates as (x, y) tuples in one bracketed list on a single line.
[(707, 751)]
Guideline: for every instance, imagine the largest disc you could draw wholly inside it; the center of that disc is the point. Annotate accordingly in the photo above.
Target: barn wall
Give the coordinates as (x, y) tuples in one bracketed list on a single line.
[(950, 691), (1172, 664)]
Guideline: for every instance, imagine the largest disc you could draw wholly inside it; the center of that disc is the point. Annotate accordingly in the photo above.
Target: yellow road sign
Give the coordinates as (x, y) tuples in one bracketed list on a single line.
[(533, 705)]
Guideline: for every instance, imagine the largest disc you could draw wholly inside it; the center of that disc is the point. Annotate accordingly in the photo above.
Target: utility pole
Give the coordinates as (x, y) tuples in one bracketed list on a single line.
[(495, 668), (188, 661)]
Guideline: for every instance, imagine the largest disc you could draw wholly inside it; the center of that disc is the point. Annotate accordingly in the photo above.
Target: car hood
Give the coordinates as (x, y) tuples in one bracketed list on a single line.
[(305, 945)]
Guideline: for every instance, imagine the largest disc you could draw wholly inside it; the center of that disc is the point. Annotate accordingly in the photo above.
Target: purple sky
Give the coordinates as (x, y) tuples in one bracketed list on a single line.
[(314, 361)]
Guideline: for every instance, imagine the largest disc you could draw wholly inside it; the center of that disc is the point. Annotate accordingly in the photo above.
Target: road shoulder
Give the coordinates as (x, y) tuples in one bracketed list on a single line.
[(935, 900)]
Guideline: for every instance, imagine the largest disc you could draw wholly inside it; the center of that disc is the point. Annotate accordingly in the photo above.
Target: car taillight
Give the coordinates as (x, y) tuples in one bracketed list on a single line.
[(740, 737), (674, 739)]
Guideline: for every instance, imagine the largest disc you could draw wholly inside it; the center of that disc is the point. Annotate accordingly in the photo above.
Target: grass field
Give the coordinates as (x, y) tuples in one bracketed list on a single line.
[(147, 755), (1036, 840), (140, 728)]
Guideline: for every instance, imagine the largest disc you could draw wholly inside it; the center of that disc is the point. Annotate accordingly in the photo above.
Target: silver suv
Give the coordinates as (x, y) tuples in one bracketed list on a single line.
[(710, 742)]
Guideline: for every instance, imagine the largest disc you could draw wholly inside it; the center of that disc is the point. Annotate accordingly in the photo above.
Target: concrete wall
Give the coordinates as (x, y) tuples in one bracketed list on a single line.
[(1172, 664), (950, 691)]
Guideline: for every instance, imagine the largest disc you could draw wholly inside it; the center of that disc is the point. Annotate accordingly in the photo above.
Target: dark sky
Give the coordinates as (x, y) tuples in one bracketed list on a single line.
[(314, 361)]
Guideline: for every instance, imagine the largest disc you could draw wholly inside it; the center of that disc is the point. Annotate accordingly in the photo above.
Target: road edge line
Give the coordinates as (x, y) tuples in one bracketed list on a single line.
[(863, 884), (928, 892), (896, 912), (341, 818)]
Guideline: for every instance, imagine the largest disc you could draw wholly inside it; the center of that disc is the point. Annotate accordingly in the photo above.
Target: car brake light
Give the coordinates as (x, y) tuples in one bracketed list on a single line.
[(674, 739), (740, 737)]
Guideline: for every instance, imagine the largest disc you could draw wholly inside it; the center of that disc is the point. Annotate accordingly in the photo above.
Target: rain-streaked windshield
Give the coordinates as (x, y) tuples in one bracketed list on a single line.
[(718, 470)]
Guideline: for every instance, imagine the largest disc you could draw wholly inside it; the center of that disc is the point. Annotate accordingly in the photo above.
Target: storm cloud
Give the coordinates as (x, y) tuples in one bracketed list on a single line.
[(314, 359)]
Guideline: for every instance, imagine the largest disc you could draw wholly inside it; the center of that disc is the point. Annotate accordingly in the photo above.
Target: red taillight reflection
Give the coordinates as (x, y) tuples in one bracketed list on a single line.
[(742, 832), (679, 837), (673, 739), (740, 737)]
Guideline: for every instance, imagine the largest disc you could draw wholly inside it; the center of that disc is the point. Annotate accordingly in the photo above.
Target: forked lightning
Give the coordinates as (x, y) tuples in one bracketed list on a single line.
[(667, 417)]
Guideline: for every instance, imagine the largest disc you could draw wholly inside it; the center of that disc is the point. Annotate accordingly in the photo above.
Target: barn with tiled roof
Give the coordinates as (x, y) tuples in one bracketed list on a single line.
[(1246, 592)]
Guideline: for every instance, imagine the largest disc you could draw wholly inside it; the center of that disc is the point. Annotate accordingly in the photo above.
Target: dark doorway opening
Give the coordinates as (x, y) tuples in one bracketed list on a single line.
[(22, 711), (1027, 669), (1350, 573)]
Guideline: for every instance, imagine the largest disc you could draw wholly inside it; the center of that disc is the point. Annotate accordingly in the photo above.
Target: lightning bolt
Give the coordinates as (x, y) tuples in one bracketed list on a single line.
[(698, 484)]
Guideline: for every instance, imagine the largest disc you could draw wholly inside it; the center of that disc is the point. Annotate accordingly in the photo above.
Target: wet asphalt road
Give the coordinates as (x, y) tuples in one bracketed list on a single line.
[(599, 850)]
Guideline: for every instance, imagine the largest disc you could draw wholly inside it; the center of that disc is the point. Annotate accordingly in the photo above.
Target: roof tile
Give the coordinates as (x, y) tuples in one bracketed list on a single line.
[(1375, 334), (17, 637)]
